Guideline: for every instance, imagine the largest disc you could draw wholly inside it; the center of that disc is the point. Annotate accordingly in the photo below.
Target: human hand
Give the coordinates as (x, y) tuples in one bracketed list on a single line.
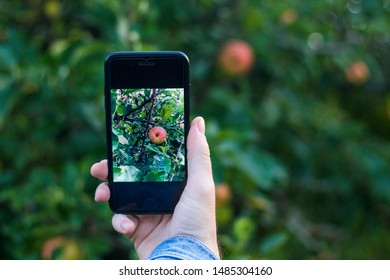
[(194, 214)]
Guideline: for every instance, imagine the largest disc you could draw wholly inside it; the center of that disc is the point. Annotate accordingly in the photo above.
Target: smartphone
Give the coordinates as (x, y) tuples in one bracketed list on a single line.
[(147, 121)]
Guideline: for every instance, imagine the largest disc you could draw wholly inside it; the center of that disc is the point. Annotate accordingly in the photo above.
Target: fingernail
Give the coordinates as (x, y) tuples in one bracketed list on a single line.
[(97, 194), (91, 169), (125, 226), (201, 125)]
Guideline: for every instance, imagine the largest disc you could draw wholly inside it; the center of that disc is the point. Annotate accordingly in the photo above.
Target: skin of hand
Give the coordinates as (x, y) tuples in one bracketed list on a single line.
[(194, 214)]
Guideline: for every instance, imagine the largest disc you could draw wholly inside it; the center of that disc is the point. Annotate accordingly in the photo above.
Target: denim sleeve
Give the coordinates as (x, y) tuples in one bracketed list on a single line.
[(182, 247)]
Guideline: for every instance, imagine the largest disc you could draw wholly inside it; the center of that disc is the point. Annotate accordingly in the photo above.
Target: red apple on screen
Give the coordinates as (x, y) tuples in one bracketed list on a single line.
[(157, 134)]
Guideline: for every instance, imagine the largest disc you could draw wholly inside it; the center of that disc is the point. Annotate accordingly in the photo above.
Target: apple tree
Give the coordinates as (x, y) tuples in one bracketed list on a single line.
[(297, 112)]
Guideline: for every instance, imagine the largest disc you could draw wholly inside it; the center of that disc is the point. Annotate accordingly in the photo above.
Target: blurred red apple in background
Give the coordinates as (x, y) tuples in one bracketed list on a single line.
[(50, 246), (236, 57), (357, 72), (288, 16), (59, 247), (223, 194)]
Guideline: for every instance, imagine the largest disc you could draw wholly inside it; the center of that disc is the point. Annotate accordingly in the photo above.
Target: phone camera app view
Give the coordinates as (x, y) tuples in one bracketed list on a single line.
[(148, 135)]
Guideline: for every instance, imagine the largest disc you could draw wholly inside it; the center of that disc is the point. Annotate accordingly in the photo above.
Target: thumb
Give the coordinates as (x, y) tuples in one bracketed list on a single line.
[(195, 211), (198, 155)]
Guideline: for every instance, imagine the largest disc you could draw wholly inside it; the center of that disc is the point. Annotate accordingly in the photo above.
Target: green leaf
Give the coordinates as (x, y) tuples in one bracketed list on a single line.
[(181, 158), (259, 166), (120, 110), (153, 149), (161, 163), (128, 128), (129, 91), (179, 109), (243, 228), (126, 174), (164, 149), (122, 139), (155, 176), (167, 111), (273, 242), (262, 168), (115, 141)]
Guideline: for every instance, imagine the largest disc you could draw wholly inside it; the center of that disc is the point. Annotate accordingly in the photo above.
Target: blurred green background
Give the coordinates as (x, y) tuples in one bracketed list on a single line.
[(300, 140)]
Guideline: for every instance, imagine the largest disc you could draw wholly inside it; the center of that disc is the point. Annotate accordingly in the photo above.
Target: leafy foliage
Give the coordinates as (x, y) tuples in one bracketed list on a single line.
[(301, 140), (135, 113)]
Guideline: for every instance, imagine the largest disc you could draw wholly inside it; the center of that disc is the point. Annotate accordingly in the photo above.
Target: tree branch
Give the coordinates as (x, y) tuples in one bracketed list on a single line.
[(153, 97), (177, 155)]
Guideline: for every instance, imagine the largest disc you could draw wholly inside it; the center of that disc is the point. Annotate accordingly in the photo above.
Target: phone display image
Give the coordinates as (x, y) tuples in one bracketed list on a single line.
[(148, 135)]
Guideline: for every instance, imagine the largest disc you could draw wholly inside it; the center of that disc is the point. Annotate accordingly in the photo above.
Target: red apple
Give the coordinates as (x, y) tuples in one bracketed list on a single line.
[(288, 16), (223, 194), (357, 72), (69, 249), (236, 57), (51, 245), (157, 134)]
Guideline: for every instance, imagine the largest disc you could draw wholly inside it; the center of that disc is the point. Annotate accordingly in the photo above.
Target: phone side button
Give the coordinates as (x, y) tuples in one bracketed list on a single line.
[(149, 204)]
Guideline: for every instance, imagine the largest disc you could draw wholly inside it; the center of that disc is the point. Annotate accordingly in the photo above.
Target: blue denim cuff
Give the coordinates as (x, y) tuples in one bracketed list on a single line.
[(182, 247)]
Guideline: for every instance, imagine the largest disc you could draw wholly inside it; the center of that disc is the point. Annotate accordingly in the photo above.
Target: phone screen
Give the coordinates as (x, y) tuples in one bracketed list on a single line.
[(148, 135), (147, 121)]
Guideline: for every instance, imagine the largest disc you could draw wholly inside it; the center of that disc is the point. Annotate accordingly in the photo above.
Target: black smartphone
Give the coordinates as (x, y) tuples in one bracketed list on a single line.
[(147, 121)]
